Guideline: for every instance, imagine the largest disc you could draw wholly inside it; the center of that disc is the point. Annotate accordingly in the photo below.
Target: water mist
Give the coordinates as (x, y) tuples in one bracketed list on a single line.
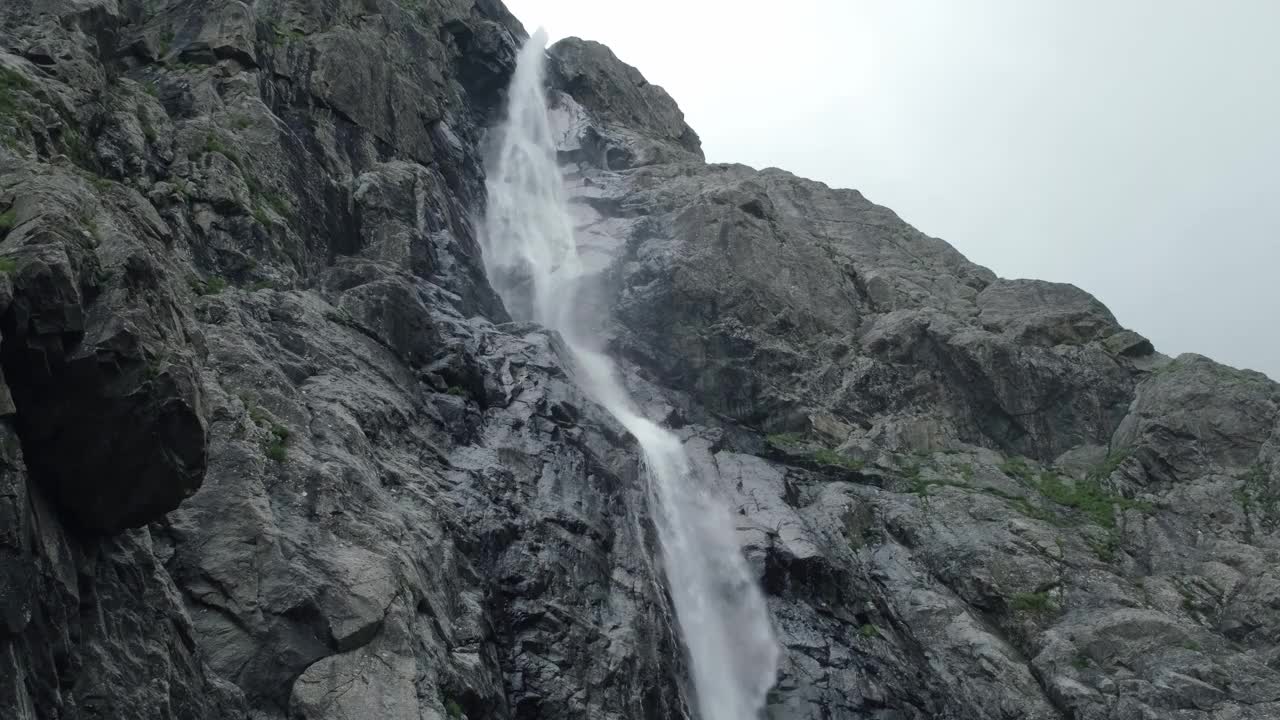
[(532, 259)]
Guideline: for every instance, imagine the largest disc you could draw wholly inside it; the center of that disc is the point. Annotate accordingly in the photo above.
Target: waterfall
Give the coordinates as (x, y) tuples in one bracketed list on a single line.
[(532, 259)]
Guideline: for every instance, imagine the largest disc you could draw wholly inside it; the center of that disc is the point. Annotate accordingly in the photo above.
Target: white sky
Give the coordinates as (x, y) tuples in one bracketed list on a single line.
[(1131, 147)]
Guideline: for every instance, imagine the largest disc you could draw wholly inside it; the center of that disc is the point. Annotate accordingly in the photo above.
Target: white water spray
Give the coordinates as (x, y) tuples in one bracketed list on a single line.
[(532, 259)]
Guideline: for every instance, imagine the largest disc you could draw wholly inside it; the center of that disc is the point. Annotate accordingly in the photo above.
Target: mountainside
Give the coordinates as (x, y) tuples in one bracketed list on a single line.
[(272, 447)]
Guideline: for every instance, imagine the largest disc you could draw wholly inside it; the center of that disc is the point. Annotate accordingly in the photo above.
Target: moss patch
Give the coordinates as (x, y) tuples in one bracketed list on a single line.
[(1037, 603), (1017, 468), (824, 456), (1089, 497), (211, 286)]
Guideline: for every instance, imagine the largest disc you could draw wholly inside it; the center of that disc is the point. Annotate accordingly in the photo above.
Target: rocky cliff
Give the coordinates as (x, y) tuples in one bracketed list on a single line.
[(272, 447)]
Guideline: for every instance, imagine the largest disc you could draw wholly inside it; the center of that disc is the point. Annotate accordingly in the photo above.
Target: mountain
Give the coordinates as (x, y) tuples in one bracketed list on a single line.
[(272, 447)]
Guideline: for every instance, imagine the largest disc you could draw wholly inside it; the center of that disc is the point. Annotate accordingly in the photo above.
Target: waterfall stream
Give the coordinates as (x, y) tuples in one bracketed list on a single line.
[(532, 259)]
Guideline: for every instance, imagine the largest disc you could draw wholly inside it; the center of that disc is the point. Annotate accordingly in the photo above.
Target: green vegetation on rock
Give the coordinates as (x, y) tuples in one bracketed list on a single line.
[(1017, 468), (825, 456), (1108, 466), (211, 286), (1089, 497), (786, 440), (796, 442), (1256, 493), (1036, 603)]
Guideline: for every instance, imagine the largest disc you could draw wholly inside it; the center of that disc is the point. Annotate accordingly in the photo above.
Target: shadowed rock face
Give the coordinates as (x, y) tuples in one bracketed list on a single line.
[(270, 446)]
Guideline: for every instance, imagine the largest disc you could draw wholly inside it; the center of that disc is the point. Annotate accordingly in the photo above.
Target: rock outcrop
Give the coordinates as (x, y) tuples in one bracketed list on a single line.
[(969, 497), (271, 447)]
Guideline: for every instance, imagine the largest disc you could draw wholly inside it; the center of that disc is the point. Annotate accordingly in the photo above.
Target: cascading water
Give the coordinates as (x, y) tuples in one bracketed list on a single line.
[(532, 259)]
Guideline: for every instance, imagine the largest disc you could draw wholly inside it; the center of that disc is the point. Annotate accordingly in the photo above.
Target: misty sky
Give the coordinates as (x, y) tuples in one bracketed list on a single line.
[(1131, 147)]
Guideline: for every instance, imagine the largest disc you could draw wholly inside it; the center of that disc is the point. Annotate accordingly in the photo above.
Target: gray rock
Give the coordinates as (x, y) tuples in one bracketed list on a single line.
[(271, 447), (866, 394), (1041, 313), (618, 96)]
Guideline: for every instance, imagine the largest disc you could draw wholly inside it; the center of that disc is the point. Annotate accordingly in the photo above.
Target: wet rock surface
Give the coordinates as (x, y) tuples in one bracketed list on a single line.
[(270, 446)]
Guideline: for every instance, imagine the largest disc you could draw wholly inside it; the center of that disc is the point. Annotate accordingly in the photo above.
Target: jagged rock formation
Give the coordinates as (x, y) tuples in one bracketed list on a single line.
[(271, 447)]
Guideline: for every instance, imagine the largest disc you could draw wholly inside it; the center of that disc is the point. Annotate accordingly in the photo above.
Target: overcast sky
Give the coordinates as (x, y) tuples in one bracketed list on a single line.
[(1131, 147)]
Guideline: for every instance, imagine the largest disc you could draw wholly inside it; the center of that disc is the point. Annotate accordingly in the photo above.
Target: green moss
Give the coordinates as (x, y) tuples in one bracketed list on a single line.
[(212, 286), (260, 216), (1089, 497), (1036, 603), (277, 203), (966, 472), (259, 416), (1031, 510), (276, 446), (13, 121), (144, 120), (455, 390), (824, 456), (281, 35), (8, 266), (8, 219), (1256, 493), (214, 144), (76, 149), (11, 83), (276, 452), (91, 224), (418, 8), (1081, 662), (1107, 467), (869, 631), (340, 316), (280, 433), (452, 707), (1107, 548), (166, 42), (1017, 468), (262, 285), (786, 440)]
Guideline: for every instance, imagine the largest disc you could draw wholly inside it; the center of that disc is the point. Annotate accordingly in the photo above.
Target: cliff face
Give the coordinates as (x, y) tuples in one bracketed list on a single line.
[(272, 448)]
